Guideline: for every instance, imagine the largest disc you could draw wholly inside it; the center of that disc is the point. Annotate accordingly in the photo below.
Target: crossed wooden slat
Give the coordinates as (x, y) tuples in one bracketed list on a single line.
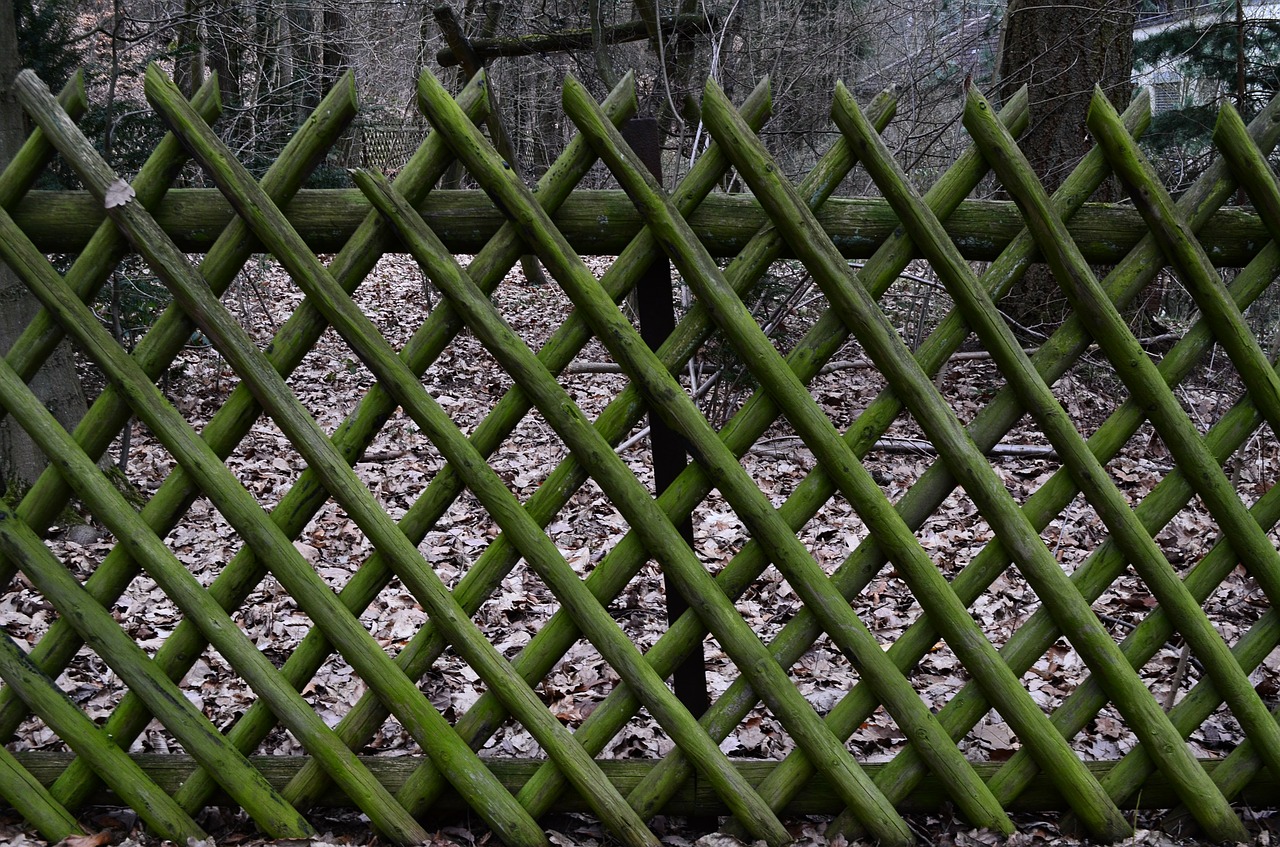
[(763, 668), (785, 777), (289, 346), (589, 787)]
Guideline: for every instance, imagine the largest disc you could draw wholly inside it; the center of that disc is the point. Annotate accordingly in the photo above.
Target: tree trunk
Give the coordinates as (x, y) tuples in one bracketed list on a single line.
[(306, 60), (56, 383), (227, 42), (189, 57), (678, 56), (1060, 51)]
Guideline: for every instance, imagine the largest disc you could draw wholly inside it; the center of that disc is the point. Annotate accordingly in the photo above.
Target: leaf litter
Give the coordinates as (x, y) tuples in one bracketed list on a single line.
[(467, 382)]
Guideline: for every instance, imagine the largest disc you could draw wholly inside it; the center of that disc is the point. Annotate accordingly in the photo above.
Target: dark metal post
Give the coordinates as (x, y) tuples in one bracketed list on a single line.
[(657, 315)]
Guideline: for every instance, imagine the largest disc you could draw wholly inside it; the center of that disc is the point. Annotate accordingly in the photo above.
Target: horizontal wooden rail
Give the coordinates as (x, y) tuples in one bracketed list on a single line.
[(603, 222), (818, 798)]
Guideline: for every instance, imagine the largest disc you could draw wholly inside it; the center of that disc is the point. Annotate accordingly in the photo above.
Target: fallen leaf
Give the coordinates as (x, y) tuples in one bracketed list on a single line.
[(95, 840), (118, 193)]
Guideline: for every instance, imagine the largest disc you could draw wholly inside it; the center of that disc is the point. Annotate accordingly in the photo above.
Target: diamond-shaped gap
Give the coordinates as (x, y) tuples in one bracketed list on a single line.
[(91, 684), (847, 384), (991, 739), (334, 545), (34, 734), (452, 686), (512, 740), (1140, 463), (330, 380), (215, 688), (394, 617), (458, 538), (1255, 467), (1054, 675), (760, 735), (522, 603), (396, 297), (938, 676), (466, 381), (199, 380), (636, 450), (878, 739), (271, 618), (147, 465), (399, 464), (1106, 738), (968, 382), (578, 683), (1189, 535), (535, 311), (1002, 608), (824, 676), (641, 607), (390, 737), (203, 540), (833, 533), (1124, 604), (275, 296), (1171, 671), (1217, 736), (592, 381), (916, 302), (1023, 476), (1210, 390), (901, 454), (955, 533), (334, 690), (719, 536), (778, 461), (718, 532), (252, 297), (1236, 604), (1089, 392), (886, 605), (266, 463), (587, 527), (785, 304), (1074, 533), (640, 738), (528, 455)]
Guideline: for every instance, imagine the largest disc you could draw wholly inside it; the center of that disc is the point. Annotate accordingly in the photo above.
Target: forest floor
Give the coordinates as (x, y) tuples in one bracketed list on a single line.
[(467, 382)]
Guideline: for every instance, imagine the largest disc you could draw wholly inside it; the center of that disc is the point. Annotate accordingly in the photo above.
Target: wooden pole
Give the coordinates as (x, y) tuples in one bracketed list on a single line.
[(670, 455)]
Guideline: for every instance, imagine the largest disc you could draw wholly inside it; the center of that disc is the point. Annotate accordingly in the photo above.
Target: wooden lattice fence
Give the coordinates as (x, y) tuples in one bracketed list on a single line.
[(402, 795)]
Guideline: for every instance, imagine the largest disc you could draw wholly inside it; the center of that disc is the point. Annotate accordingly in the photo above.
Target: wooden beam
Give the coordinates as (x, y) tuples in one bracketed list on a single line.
[(603, 222), (574, 39), (170, 771)]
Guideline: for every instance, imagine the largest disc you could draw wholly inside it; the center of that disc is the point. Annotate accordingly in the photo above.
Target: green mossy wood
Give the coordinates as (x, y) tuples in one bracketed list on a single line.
[(694, 228)]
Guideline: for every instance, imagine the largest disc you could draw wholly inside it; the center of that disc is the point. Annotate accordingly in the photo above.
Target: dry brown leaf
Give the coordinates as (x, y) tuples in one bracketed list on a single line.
[(96, 840)]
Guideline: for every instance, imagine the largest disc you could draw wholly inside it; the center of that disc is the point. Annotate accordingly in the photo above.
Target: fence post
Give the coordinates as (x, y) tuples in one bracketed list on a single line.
[(657, 319)]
